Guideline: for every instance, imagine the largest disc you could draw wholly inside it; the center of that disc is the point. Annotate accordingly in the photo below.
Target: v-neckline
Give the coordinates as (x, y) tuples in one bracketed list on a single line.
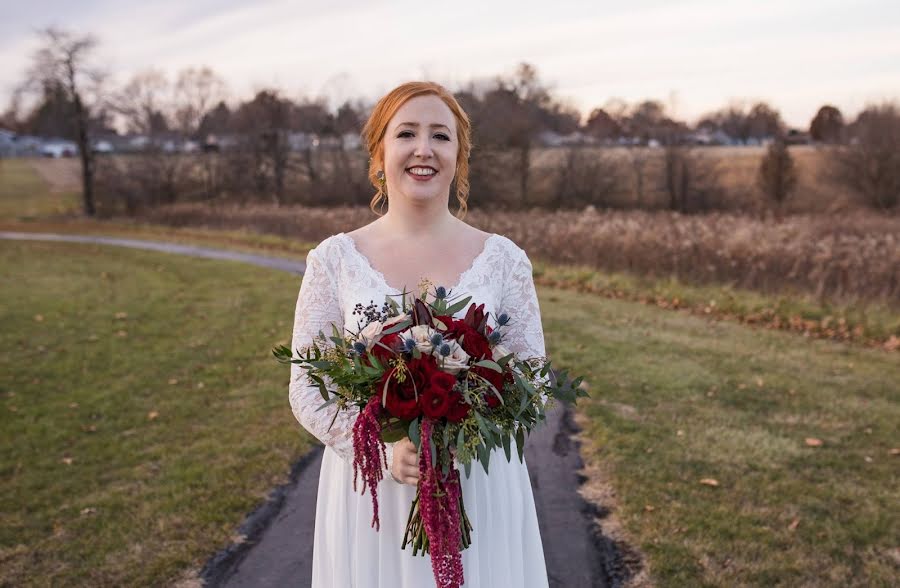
[(459, 280)]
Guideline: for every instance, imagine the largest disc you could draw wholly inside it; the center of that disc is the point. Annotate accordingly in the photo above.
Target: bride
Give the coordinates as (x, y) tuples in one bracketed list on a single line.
[(418, 137)]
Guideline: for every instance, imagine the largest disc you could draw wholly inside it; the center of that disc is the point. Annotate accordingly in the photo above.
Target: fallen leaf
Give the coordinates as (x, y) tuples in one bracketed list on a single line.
[(813, 442), (868, 459), (894, 451), (173, 381), (121, 315), (709, 482), (93, 338), (649, 508), (759, 382), (87, 511), (73, 405), (793, 525), (200, 384), (679, 433), (67, 460), (152, 415), (39, 318), (122, 333)]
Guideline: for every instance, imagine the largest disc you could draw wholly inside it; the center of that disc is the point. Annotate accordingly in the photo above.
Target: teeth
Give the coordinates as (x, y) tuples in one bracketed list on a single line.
[(422, 171)]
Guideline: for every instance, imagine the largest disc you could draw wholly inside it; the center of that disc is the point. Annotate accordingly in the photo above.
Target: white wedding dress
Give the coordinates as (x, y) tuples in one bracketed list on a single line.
[(506, 549)]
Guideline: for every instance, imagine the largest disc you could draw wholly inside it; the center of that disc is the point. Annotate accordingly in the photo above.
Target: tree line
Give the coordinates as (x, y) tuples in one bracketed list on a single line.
[(267, 146)]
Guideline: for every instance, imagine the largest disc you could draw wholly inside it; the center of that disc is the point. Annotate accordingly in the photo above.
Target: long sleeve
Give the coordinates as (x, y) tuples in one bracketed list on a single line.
[(318, 307), (524, 334)]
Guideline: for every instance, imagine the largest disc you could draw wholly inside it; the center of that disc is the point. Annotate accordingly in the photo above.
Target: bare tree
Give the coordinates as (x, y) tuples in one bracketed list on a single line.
[(64, 60), (144, 101), (265, 121), (692, 182), (777, 177), (870, 163), (588, 176), (827, 125), (196, 91), (638, 157)]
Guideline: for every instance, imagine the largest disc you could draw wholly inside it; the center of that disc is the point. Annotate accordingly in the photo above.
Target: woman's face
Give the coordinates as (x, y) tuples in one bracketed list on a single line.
[(420, 147)]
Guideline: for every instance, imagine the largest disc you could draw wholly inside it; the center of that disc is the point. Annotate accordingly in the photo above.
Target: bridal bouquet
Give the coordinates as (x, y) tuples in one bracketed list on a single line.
[(449, 385)]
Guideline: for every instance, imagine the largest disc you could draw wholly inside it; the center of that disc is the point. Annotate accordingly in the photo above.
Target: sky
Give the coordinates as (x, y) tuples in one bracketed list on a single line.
[(694, 56)]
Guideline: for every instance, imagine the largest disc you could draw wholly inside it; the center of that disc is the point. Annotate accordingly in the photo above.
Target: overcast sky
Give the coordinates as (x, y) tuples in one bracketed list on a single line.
[(695, 55)]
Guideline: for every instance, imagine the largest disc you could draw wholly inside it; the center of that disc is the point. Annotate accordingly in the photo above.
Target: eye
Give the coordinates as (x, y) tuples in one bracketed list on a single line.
[(443, 136), (402, 133)]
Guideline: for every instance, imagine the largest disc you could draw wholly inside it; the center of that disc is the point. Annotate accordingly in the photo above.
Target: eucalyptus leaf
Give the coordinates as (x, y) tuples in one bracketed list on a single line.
[(414, 432), (490, 365), (457, 306), (520, 442)]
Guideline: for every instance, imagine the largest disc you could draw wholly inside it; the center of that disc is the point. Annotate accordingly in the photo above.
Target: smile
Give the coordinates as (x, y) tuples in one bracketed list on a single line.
[(421, 173)]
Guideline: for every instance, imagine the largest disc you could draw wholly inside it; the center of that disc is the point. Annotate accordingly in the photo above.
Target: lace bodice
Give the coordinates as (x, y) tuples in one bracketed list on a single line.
[(338, 277)]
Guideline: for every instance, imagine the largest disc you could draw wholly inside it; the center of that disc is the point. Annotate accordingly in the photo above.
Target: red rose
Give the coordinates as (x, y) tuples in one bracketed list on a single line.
[(457, 409), (392, 341), (401, 396), (472, 341), (436, 400)]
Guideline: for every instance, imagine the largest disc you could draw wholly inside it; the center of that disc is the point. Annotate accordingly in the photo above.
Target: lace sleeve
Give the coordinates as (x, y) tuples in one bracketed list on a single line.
[(524, 334), (318, 307)]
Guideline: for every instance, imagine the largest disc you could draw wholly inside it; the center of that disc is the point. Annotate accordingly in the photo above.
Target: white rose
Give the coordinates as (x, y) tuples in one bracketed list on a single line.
[(457, 360), (370, 334), (499, 352), (421, 334)]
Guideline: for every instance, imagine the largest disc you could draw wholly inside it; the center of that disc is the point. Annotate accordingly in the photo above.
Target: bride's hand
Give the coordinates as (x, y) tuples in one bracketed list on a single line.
[(405, 465)]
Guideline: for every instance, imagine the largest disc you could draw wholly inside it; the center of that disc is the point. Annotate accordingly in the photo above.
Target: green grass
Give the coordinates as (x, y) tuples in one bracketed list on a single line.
[(145, 496), (24, 195), (676, 399), (168, 491)]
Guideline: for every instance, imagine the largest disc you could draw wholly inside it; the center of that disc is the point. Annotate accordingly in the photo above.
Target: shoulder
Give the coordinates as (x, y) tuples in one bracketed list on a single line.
[(511, 249), (328, 253)]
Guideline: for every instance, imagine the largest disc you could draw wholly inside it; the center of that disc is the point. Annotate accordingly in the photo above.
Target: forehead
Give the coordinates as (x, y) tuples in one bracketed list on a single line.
[(426, 110)]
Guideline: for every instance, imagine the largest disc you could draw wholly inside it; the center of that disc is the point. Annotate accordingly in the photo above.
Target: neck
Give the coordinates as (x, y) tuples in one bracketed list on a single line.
[(418, 219)]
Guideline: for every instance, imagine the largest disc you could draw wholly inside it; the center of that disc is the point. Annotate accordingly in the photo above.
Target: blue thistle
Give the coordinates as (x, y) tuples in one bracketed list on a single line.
[(445, 349), (494, 337), (437, 339), (409, 344), (502, 319), (360, 348), (440, 293)]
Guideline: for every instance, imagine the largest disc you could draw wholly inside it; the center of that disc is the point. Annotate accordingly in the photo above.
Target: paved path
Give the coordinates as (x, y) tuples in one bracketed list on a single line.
[(278, 548), (297, 267)]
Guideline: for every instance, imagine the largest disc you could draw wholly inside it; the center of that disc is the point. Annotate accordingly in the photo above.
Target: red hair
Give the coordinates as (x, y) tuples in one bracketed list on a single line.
[(376, 127)]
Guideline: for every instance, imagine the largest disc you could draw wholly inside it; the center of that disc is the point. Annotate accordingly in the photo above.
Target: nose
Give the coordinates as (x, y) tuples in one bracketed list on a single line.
[(423, 147)]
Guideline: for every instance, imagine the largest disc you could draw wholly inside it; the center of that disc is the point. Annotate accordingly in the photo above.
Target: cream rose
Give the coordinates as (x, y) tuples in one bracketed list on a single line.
[(457, 360), (421, 334), (371, 334)]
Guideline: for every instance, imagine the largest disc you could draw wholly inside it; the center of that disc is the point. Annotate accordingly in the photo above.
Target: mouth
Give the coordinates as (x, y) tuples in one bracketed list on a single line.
[(421, 173)]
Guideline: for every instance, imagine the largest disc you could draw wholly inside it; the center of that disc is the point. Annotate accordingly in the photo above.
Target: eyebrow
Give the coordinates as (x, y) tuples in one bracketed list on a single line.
[(412, 124)]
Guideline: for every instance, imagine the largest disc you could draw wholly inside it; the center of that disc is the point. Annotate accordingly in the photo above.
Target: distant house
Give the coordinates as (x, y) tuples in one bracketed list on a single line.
[(797, 137), (58, 148), (7, 143)]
